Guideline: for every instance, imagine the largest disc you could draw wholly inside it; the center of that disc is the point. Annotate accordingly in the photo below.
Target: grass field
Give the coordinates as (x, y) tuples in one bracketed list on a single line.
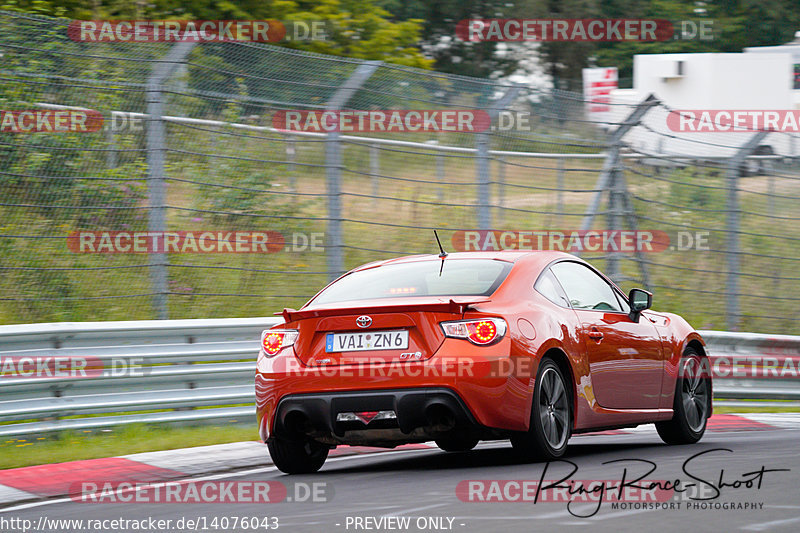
[(134, 438)]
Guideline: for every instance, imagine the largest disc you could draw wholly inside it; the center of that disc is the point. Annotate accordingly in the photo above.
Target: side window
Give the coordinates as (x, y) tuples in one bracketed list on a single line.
[(584, 288), (547, 286)]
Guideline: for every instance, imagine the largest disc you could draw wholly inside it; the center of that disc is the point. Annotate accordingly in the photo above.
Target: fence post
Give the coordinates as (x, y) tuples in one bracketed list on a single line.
[(291, 155), (612, 159), (374, 167), (156, 144), (440, 173), (616, 192), (111, 153), (482, 148), (501, 188), (610, 180), (483, 201), (732, 312), (560, 191), (333, 168)]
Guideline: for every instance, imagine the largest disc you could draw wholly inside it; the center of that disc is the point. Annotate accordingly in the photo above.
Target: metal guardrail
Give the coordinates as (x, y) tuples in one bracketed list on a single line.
[(202, 370), (178, 370), (754, 366)]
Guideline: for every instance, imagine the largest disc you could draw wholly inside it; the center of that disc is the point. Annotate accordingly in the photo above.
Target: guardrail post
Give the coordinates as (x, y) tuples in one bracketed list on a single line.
[(732, 312), (482, 147), (156, 144), (333, 168)]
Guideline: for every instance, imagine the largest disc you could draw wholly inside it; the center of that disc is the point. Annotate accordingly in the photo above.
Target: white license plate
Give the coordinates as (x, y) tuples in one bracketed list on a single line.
[(363, 340)]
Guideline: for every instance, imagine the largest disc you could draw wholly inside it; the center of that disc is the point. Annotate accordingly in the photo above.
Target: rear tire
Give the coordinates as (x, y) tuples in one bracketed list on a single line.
[(692, 403), (297, 457), (551, 416)]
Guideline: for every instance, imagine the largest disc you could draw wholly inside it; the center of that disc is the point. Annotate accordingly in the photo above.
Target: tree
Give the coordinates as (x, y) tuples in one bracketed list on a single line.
[(438, 37), (357, 28)]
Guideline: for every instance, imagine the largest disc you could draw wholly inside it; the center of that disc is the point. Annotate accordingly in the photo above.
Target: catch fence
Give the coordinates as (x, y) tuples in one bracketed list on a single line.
[(192, 142)]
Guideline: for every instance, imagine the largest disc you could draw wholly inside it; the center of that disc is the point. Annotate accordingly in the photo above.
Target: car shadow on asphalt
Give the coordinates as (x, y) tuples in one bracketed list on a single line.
[(481, 458)]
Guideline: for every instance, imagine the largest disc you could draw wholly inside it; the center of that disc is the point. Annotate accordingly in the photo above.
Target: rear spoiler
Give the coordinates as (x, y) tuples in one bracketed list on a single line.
[(453, 306)]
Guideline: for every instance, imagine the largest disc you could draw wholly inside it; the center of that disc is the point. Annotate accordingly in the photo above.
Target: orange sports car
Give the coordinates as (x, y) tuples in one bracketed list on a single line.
[(527, 346)]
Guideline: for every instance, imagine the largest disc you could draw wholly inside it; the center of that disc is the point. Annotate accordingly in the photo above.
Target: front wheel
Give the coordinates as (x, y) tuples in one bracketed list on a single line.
[(297, 457), (551, 419), (692, 404)]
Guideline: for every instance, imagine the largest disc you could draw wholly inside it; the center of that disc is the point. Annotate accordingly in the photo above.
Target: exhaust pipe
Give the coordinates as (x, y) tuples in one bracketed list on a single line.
[(297, 423), (440, 417)]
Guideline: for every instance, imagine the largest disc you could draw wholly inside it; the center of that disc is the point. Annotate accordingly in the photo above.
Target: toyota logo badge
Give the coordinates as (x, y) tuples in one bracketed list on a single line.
[(364, 321)]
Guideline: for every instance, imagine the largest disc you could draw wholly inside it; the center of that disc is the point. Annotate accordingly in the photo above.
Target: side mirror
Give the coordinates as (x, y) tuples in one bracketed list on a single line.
[(639, 300)]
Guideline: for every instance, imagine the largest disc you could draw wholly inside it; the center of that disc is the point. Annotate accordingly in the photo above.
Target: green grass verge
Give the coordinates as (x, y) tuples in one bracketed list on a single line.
[(136, 438)]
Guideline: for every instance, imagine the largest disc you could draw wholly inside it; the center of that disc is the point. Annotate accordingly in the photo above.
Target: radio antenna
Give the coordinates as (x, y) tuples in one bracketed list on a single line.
[(442, 253)]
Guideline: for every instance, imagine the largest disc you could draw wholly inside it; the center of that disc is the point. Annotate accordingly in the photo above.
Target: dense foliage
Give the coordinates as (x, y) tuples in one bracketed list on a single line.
[(422, 34)]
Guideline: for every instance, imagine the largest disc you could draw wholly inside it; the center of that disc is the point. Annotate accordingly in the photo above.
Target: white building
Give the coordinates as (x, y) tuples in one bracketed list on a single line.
[(758, 79), (793, 49)]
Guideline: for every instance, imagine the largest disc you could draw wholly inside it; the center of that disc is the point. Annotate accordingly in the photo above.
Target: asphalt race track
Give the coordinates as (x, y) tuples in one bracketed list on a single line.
[(415, 490)]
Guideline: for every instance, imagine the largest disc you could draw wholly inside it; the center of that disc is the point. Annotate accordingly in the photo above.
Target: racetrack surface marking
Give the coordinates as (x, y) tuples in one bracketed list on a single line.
[(54, 480)]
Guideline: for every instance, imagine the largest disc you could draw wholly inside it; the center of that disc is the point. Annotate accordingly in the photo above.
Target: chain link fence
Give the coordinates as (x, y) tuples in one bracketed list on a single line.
[(189, 145)]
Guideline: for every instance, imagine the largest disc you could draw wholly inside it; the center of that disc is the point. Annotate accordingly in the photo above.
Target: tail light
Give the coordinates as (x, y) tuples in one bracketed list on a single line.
[(274, 340), (482, 332)]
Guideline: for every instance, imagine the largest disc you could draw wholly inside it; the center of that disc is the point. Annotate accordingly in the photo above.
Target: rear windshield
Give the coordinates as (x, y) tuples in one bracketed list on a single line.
[(459, 277)]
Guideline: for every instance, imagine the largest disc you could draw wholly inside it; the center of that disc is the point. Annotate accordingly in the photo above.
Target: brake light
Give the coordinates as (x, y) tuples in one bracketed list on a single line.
[(402, 290), (481, 332), (274, 340)]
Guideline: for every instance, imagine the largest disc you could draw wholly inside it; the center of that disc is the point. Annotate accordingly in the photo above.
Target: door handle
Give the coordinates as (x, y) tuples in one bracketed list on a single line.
[(595, 334)]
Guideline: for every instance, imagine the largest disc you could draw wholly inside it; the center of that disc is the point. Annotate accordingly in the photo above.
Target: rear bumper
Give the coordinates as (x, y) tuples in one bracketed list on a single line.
[(470, 389), (413, 408)]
